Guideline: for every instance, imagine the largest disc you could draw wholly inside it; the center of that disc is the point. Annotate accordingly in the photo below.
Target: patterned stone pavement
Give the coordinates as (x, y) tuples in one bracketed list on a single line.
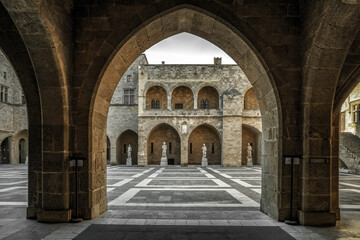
[(172, 196)]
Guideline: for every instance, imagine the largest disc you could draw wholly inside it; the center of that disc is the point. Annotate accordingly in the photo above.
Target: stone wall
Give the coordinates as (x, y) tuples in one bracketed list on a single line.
[(158, 135), (348, 124), (13, 117), (127, 138), (123, 117), (223, 85), (204, 134), (184, 96), (156, 93)]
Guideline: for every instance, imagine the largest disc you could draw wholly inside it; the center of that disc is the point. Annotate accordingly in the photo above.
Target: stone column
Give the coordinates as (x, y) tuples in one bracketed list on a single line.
[(184, 150), (142, 149), (55, 175), (315, 209), (14, 150), (195, 102), (113, 160), (232, 130), (169, 102), (334, 185), (232, 141)]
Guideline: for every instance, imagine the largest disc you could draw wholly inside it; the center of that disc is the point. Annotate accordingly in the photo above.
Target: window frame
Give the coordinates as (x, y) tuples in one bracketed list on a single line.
[(129, 94), (179, 106), (4, 93)]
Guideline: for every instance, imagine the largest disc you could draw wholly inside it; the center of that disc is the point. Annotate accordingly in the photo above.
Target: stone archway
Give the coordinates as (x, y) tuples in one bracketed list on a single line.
[(253, 136), (42, 61), (156, 98), (182, 98), (186, 19), (23, 150), (127, 137), (250, 100), (208, 98), (5, 151), (155, 139), (208, 135)]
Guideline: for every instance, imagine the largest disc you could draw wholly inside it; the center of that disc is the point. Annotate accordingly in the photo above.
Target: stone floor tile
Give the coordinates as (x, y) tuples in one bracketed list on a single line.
[(180, 222), (220, 223)]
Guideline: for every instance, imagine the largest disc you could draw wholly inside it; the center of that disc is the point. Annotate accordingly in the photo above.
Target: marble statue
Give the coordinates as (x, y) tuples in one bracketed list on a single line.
[(129, 151), (128, 159), (164, 159), (204, 149), (249, 155), (204, 160)]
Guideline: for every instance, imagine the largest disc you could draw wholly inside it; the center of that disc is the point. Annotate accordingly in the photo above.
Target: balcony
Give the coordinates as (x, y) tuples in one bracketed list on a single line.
[(180, 112)]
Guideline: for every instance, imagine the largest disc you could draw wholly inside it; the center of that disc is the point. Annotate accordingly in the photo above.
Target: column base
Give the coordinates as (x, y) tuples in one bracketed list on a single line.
[(54, 216), (337, 212), (317, 218), (31, 212)]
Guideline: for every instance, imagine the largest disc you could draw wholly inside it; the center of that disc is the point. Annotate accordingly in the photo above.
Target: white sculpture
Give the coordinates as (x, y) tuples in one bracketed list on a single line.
[(204, 149), (249, 155), (164, 159), (129, 151), (204, 160), (128, 159)]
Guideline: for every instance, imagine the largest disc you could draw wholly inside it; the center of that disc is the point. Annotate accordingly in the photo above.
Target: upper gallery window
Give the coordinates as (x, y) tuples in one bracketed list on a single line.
[(204, 104), (3, 94), (129, 97), (178, 106), (155, 104), (128, 78), (356, 113)]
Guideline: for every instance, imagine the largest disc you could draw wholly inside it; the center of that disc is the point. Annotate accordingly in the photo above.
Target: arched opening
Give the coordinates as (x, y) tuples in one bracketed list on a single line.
[(208, 135), (349, 137), (182, 98), (23, 150), (208, 98), (125, 139), (250, 100), (157, 136), (252, 136), (156, 98), (5, 151), (253, 66)]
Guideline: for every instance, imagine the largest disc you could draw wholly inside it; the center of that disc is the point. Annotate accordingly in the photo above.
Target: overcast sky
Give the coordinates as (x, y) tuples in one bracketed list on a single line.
[(185, 48)]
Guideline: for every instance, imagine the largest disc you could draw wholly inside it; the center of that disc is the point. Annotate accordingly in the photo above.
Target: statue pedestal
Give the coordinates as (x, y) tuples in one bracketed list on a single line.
[(164, 161), (128, 162), (204, 162), (249, 161)]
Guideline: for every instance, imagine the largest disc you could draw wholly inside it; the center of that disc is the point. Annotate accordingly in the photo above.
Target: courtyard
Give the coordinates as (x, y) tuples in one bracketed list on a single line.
[(174, 203)]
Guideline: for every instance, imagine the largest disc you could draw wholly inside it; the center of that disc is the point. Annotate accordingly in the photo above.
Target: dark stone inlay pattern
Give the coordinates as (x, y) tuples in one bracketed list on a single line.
[(104, 231), (155, 196), (182, 182)]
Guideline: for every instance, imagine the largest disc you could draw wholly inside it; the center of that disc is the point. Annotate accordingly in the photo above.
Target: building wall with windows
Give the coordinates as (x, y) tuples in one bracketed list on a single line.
[(13, 115), (350, 113), (186, 106)]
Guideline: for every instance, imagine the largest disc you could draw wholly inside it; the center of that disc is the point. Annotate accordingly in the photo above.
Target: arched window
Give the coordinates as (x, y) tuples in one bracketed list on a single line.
[(157, 104), (204, 104), (153, 104)]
